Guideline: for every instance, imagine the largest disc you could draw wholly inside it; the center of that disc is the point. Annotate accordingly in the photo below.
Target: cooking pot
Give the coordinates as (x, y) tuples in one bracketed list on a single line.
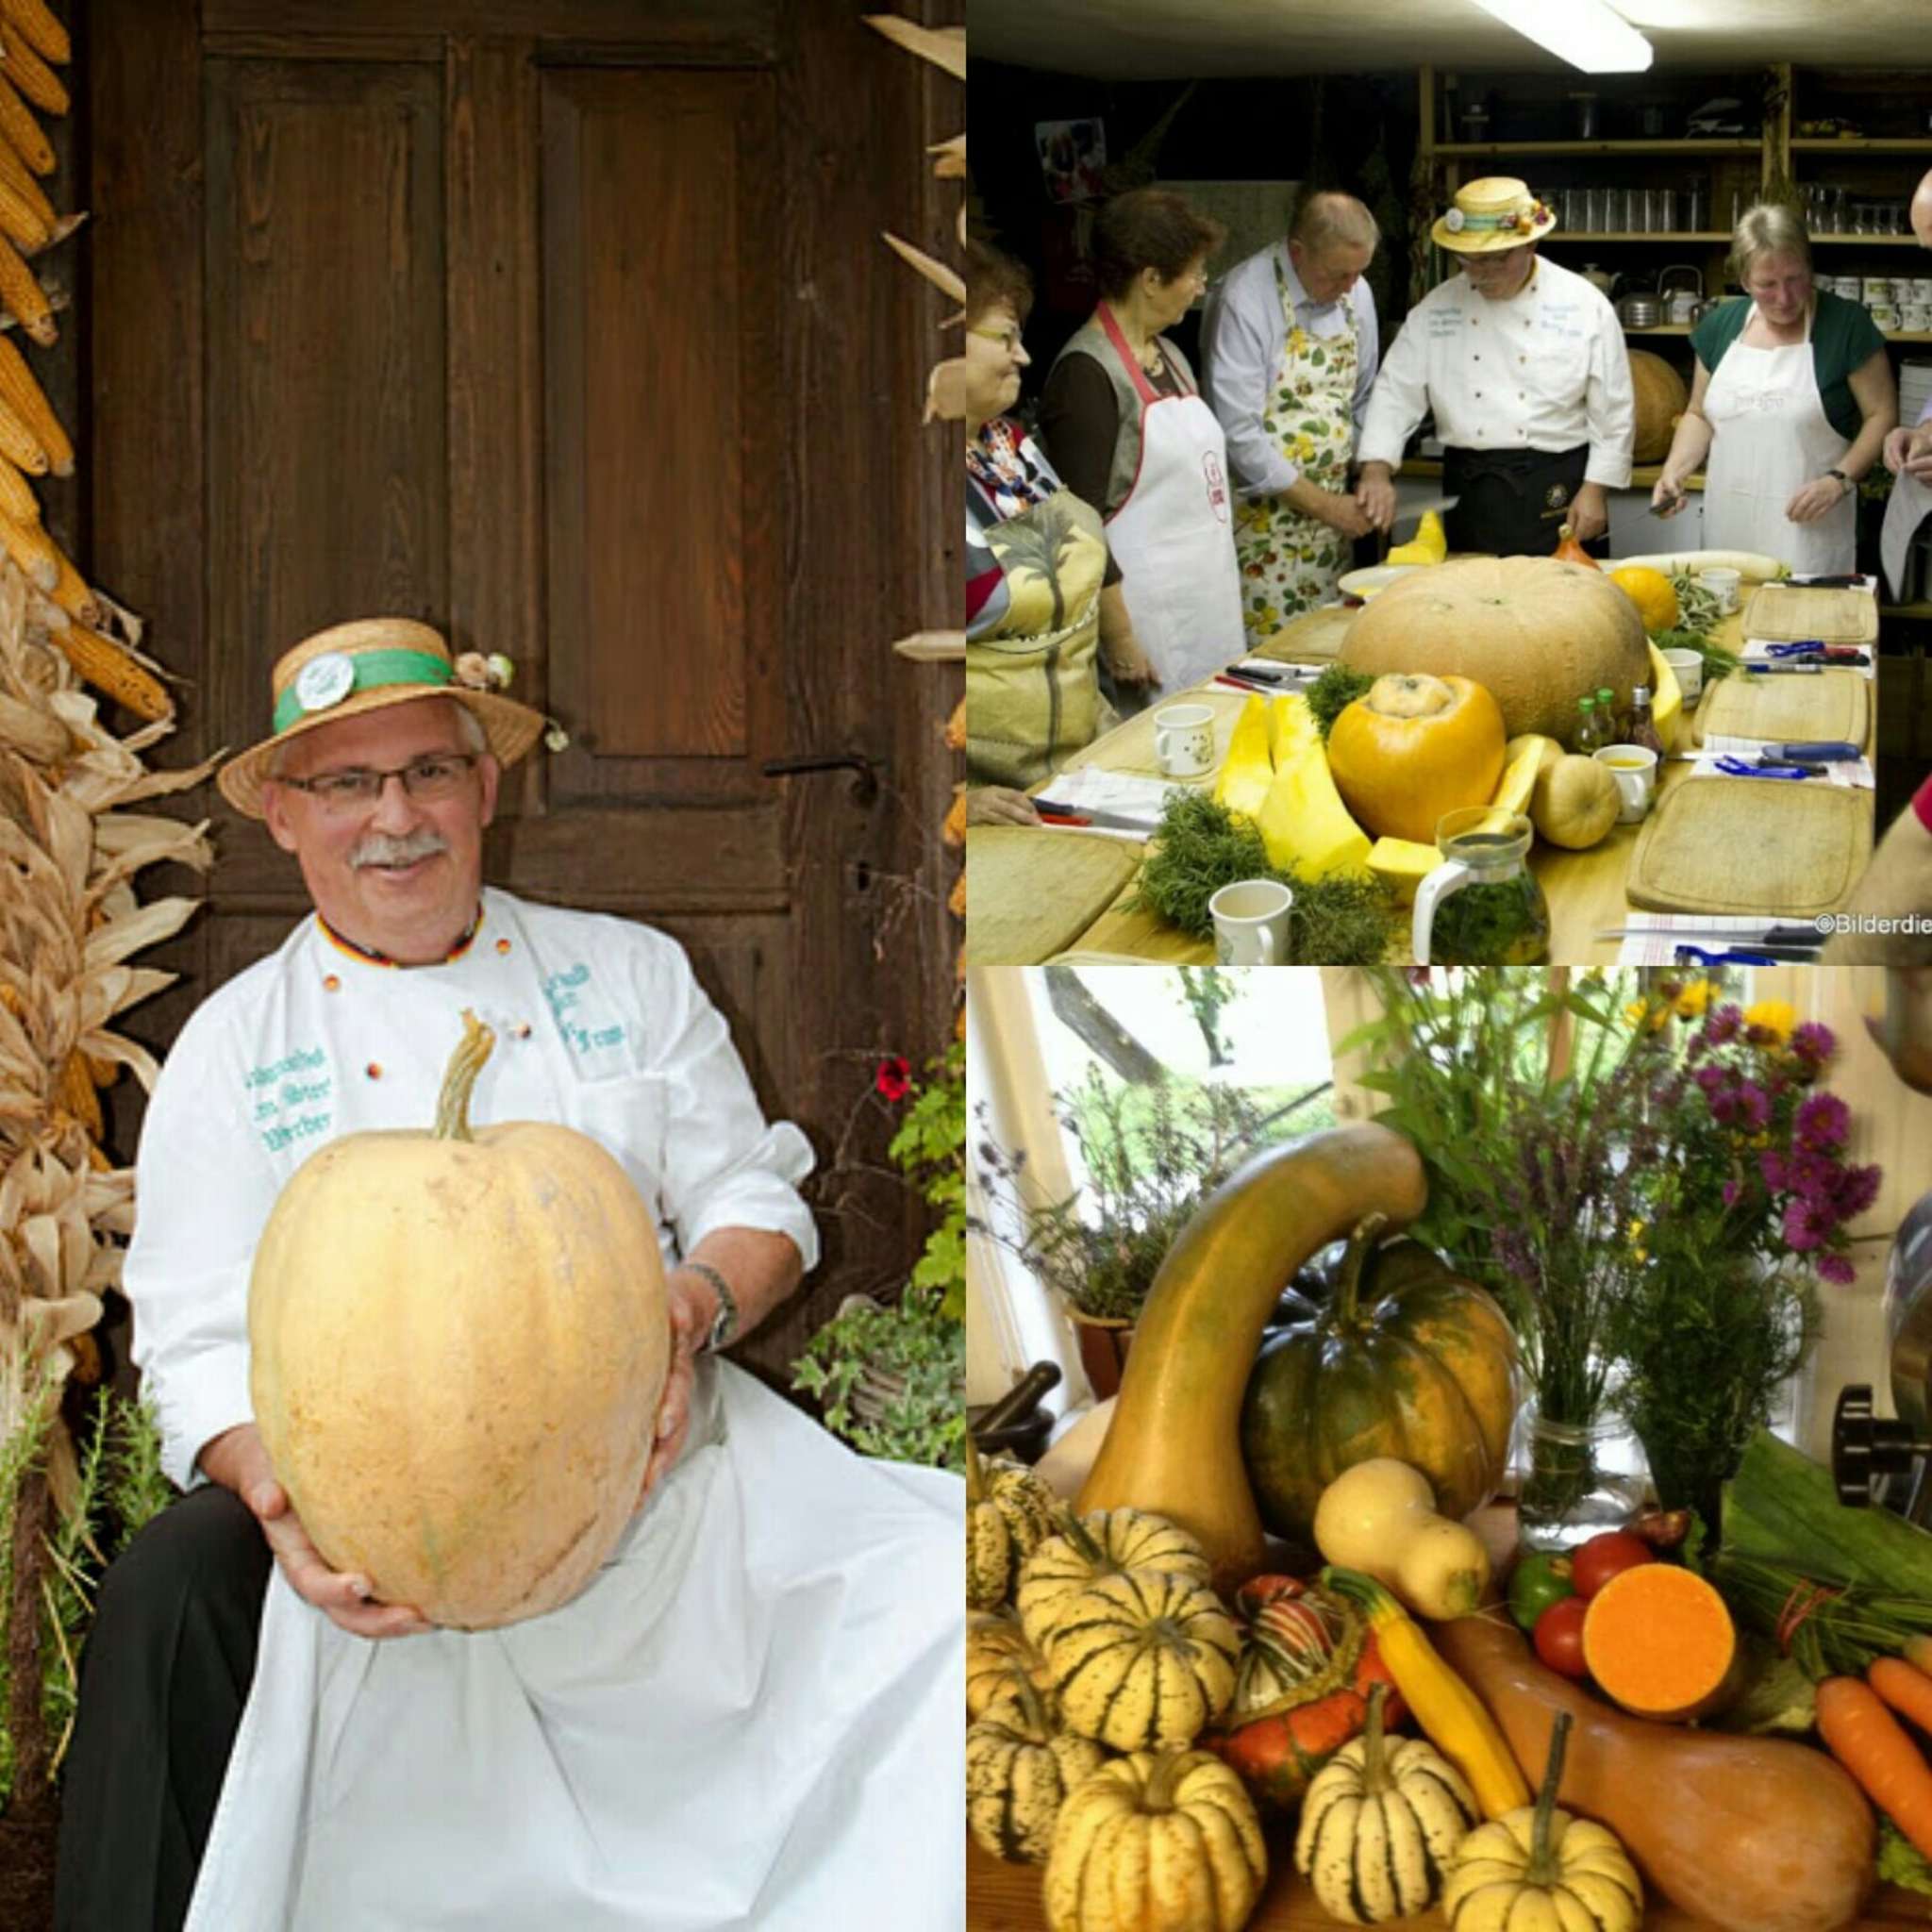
[(1681, 302), (1700, 309), (1597, 278), (1639, 311)]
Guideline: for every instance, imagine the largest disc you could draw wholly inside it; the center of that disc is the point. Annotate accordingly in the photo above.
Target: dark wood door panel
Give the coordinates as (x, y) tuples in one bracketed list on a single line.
[(744, 29), (328, 471)]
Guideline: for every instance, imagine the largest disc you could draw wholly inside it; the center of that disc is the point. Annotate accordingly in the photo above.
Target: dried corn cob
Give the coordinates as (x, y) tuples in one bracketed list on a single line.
[(17, 498), (21, 132), (64, 226), (29, 73), (28, 401), (114, 671), (20, 445), (16, 172), (103, 1073), (40, 30), (77, 1098), (20, 222), (25, 300), (33, 550), (71, 593), (956, 900), (953, 830), (956, 725)]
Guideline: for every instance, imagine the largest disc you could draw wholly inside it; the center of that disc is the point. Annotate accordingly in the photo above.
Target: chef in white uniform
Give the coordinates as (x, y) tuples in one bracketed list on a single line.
[(750, 1717), (1524, 365), (1789, 406)]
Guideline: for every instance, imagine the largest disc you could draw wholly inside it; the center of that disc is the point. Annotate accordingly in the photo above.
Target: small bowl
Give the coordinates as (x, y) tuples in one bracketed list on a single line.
[(1687, 667), (1723, 583)]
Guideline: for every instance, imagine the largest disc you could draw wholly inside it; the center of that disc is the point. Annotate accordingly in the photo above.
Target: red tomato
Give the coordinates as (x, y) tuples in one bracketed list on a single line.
[(1559, 1637), (1605, 1557)]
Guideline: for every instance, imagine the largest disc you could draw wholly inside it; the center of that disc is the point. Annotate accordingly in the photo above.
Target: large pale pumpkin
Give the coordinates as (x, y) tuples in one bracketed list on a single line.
[(458, 1346), (1534, 633), (1662, 398), (1414, 748)]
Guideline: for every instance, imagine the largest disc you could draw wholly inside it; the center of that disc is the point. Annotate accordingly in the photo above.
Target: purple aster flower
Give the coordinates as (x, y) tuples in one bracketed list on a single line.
[(1732, 1188), (1710, 1079), (1722, 1026), (1814, 1043), (1856, 1191), (1837, 1268), (1772, 1165), (1821, 1122), (1754, 1106), (1808, 1224)]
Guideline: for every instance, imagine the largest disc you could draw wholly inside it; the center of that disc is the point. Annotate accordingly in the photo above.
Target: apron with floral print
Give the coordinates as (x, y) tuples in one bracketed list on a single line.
[(1289, 561)]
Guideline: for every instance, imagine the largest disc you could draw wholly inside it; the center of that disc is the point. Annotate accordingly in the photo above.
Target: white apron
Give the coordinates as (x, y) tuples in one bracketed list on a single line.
[(1771, 434), (1173, 535), (749, 1719)]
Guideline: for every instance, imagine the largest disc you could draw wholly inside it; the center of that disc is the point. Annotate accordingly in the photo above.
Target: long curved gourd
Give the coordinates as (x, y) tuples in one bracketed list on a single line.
[(1175, 1446)]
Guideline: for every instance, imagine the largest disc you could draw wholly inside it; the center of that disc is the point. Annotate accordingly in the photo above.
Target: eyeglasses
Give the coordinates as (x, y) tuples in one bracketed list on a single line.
[(1009, 339), (440, 775)]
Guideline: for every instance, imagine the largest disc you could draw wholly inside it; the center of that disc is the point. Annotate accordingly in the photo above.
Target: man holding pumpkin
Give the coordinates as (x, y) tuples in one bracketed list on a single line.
[(749, 1715), (1523, 362)]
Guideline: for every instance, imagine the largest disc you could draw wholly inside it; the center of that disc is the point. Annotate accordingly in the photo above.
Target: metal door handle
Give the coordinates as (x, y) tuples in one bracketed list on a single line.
[(865, 787)]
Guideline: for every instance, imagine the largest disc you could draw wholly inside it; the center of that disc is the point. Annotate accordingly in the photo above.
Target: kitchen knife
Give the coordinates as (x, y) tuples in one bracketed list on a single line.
[(1784, 669), (1796, 938), (1091, 815)]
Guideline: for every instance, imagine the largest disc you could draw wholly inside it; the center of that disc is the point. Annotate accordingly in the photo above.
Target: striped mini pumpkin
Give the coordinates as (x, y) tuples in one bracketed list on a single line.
[(1107, 1542), (998, 1658), (1143, 1661), (1019, 1772), (1009, 1513), (1302, 1642)]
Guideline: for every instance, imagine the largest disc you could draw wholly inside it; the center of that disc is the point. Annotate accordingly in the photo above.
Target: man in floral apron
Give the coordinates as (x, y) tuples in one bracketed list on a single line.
[(1289, 349)]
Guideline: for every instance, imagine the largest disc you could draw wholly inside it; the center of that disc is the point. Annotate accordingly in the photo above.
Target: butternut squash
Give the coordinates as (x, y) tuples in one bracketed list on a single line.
[(1749, 1834), (1175, 1444)]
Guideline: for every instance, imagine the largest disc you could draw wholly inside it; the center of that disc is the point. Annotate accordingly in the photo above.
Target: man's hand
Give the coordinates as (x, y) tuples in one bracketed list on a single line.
[(238, 1462), (1668, 497), (1908, 452), (1590, 513), (1345, 513), (999, 804), (1811, 500), (693, 1307), (1374, 491)]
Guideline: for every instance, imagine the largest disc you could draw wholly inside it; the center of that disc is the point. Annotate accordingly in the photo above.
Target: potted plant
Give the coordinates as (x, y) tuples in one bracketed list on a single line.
[(1152, 1154), (891, 1376)]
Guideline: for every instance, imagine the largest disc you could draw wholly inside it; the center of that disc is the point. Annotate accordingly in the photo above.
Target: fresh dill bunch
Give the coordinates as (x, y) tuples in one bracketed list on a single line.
[(1333, 693)]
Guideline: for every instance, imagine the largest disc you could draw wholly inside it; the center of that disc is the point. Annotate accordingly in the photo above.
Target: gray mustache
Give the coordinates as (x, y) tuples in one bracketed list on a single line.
[(380, 848)]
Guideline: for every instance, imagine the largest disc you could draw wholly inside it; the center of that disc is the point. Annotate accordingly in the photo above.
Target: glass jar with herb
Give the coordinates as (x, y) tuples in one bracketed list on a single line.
[(1482, 906), (1590, 736)]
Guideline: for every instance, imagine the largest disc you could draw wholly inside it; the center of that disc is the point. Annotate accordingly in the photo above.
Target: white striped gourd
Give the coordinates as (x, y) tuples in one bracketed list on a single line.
[(1105, 1542), (1019, 1771)]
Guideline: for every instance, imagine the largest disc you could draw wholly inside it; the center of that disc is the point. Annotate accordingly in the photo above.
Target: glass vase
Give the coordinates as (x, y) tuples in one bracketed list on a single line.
[(1577, 1479)]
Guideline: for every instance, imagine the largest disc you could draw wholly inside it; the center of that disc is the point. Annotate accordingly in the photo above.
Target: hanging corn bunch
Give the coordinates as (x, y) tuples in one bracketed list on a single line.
[(73, 841)]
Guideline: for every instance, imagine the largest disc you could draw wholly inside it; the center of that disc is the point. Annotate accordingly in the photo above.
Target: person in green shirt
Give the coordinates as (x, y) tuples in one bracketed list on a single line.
[(1791, 402)]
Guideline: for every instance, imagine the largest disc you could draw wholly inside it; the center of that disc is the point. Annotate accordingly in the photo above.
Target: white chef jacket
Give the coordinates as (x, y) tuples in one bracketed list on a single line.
[(1545, 369), (1241, 336), (750, 1718)]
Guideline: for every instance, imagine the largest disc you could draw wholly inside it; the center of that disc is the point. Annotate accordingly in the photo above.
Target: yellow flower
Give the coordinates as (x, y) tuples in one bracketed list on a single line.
[(1642, 1254), (1637, 1229), (1776, 1017), (1761, 1141), (1642, 1013), (1694, 999)]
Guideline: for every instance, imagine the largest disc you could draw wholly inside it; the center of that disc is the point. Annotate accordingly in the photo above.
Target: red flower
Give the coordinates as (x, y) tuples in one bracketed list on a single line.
[(895, 1077)]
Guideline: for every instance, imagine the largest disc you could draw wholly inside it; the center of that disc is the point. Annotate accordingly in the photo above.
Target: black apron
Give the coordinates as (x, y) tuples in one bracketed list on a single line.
[(1511, 502)]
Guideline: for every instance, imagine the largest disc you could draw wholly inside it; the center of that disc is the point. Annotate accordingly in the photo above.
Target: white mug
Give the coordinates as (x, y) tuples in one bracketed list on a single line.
[(1723, 582), (1184, 739), (1687, 667), (1634, 768), (1251, 922)]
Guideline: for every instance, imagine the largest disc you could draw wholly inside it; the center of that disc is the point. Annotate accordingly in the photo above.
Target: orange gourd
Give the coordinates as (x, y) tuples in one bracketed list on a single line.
[(1571, 551), (1414, 748), (458, 1341), (1661, 1643), (1651, 591), (1662, 398)]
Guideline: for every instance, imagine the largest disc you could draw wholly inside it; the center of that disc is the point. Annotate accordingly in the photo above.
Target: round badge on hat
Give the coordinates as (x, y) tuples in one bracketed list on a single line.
[(325, 681)]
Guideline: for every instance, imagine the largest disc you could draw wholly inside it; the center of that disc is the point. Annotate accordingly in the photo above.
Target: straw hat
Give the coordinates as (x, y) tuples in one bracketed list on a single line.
[(363, 666), (1497, 212)]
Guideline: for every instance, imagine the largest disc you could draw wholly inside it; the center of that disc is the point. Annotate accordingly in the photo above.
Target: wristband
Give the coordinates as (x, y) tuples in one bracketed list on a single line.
[(724, 1328), (1850, 486)]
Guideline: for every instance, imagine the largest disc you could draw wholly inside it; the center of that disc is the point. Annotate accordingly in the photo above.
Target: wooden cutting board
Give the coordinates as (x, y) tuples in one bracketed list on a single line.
[(1792, 848), (1313, 638), (1833, 705), (1030, 894), (1784, 613)]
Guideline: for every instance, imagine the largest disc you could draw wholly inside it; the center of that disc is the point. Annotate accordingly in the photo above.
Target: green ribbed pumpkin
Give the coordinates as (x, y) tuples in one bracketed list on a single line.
[(1407, 1360)]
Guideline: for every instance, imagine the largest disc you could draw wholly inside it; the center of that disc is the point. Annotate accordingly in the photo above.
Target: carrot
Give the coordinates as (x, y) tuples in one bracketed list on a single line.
[(1872, 1744), (1917, 1651), (1907, 1690)]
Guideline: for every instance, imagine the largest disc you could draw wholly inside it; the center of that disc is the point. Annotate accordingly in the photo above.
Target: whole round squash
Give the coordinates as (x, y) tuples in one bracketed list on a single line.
[(1103, 1542), (1019, 1771), (1414, 748), (998, 1660), (1408, 1361), (1009, 1513), (1651, 591), (1662, 398), (1575, 802), (458, 1342), (1166, 1843), (1536, 634)]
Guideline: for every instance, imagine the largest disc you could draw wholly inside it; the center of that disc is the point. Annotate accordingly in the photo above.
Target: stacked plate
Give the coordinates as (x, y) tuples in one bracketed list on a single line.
[(1914, 389)]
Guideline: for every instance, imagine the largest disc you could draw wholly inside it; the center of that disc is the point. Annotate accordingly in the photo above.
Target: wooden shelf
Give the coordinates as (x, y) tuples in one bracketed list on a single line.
[(1580, 235), (1661, 329), (1866, 241), (1859, 144), (1727, 145), (1904, 610)]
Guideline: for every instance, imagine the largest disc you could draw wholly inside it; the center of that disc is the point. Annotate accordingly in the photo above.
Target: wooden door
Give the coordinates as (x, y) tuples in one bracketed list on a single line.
[(565, 325)]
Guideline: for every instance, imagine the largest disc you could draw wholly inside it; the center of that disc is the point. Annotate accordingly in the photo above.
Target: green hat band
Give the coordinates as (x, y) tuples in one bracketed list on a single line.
[(372, 669)]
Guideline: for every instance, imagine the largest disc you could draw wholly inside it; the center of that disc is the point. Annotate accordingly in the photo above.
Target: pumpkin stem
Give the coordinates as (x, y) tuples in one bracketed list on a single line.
[(460, 1079), (1086, 1542), (1162, 1780), (1368, 1231), (1375, 1766), (1544, 1866), (976, 1473)]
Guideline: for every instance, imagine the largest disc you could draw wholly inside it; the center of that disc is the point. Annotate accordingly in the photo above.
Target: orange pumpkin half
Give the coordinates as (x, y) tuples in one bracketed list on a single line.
[(1414, 748)]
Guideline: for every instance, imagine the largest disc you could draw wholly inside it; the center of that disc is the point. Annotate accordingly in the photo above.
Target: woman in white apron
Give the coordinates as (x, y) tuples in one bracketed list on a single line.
[(1125, 426), (1790, 404)]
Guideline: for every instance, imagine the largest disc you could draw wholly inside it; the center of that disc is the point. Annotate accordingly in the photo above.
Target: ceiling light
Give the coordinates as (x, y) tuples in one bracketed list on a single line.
[(1587, 33)]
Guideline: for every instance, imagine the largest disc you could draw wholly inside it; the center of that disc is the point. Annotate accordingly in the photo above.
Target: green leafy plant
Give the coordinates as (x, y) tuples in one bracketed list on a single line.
[(891, 1380), (930, 1150), (1333, 693)]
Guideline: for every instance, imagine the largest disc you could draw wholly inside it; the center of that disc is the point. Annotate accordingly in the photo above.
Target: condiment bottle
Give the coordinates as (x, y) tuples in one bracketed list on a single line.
[(1642, 726), (1607, 721), (1588, 732)]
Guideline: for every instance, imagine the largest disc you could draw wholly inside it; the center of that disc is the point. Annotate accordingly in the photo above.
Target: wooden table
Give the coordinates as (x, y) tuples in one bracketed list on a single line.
[(1006, 1898), (1585, 889)]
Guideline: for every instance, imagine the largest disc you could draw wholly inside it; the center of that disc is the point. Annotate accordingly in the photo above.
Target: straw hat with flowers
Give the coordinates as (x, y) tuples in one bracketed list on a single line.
[(363, 666), (1494, 213)]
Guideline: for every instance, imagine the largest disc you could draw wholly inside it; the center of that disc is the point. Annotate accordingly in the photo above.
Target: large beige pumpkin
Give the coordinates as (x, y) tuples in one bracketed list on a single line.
[(1662, 398), (1536, 634), (458, 1346)]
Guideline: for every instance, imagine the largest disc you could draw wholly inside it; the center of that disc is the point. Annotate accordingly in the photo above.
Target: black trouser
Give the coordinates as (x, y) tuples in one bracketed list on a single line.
[(163, 1680), (1511, 502)]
